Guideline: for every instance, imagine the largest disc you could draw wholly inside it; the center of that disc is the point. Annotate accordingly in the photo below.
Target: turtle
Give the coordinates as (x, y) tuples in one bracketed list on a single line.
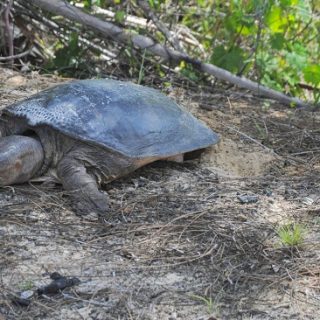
[(90, 132)]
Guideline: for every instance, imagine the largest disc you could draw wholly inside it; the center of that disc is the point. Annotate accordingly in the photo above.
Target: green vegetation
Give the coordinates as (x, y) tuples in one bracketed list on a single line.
[(291, 235), (275, 42), (26, 285), (208, 302)]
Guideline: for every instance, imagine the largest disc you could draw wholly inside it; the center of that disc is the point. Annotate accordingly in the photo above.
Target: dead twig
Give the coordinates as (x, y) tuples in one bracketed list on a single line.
[(173, 40), (16, 56), (8, 31)]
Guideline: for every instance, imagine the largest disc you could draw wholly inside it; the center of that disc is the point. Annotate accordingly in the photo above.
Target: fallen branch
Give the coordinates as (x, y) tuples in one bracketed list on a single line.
[(138, 22), (110, 30), (16, 56)]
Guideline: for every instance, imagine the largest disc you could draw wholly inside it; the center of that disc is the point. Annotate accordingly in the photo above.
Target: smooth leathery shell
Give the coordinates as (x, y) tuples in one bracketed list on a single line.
[(136, 121)]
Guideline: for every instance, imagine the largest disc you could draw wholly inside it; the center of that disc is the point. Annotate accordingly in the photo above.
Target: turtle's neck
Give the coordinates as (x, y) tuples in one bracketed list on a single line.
[(55, 146), (12, 125)]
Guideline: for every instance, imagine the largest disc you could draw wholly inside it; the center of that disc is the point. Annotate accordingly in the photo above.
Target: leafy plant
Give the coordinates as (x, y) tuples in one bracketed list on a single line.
[(274, 42), (291, 235), (68, 57), (188, 71), (208, 301), (26, 285)]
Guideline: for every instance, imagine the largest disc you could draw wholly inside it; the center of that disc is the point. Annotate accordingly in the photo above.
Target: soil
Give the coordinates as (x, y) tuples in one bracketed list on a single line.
[(198, 240)]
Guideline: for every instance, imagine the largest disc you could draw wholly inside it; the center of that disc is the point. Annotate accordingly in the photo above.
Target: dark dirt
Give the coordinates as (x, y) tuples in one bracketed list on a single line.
[(178, 242)]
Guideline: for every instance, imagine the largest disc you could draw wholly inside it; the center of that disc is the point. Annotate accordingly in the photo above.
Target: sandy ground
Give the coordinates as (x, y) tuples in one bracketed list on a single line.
[(179, 242)]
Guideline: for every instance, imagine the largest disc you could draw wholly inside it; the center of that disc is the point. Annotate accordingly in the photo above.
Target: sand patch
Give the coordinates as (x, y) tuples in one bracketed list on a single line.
[(234, 158)]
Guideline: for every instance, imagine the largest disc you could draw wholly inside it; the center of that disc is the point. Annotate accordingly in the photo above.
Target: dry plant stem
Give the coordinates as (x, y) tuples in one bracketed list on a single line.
[(184, 35), (39, 21), (173, 40), (16, 56), (8, 31), (118, 34)]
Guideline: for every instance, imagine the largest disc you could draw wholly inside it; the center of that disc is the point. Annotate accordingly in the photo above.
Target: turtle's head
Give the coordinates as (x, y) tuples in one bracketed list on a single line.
[(21, 158)]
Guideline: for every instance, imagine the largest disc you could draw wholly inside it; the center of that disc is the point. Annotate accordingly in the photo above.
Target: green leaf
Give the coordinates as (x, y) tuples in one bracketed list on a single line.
[(87, 4), (296, 60), (288, 3), (247, 26), (277, 41), (120, 16), (276, 20), (312, 74), (74, 44), (98, 3), (155, 4), (68, 55), (231, 59), (231, 23), (190, 73), (201, 3)]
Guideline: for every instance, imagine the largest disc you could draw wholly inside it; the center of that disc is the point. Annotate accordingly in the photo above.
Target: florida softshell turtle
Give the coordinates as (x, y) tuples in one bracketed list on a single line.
[(92, 132)]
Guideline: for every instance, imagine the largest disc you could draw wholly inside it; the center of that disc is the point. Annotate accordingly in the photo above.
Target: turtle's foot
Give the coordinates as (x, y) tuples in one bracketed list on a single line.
[(91, 205), (83, 187)]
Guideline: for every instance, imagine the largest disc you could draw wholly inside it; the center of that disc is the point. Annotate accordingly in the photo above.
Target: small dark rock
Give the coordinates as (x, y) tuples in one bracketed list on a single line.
[(58, 284), (55, 276), (244, 198)]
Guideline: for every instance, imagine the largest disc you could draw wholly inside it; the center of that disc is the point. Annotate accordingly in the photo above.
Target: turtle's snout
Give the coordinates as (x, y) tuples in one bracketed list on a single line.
[(21, 158)]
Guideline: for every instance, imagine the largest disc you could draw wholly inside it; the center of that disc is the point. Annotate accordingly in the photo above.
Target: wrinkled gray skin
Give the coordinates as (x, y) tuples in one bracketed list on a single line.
[(80, 167)]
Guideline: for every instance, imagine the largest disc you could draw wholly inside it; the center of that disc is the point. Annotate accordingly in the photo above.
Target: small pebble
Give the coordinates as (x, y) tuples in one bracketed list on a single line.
[(248, 198), (308, 201), (26, 294)]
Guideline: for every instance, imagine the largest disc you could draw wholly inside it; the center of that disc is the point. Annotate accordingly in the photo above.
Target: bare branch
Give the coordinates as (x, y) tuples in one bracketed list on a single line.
[(16, 56), (110, 30), (8, 31)]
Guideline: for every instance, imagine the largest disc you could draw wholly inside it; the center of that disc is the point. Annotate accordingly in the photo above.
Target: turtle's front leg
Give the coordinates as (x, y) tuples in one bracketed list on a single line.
[(83, 187)]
